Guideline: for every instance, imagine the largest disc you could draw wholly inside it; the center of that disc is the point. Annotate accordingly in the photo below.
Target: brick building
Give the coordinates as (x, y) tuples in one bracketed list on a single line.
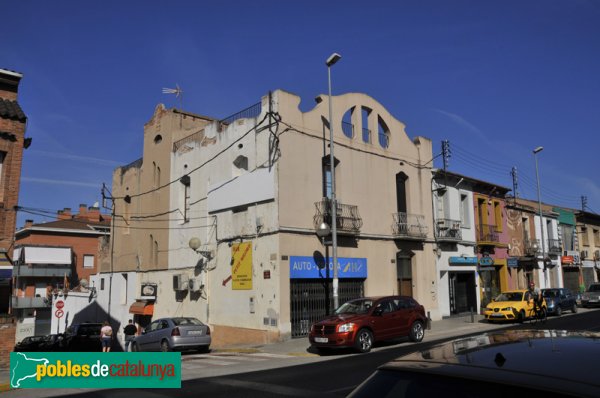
[(12, 141), (52, 258)]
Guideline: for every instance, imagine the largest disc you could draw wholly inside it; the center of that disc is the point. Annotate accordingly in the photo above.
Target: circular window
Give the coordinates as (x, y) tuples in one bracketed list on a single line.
[(158, 139)]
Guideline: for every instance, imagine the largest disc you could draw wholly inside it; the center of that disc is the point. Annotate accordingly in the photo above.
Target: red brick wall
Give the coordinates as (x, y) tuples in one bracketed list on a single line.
[(11, 179), (7, 340), (81, 245)]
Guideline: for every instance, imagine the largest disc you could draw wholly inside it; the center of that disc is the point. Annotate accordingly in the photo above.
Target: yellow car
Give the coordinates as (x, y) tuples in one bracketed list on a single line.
[(514, 305)]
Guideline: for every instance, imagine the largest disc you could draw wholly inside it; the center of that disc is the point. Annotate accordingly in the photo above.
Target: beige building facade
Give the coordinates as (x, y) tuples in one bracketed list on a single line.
[(250, 193)]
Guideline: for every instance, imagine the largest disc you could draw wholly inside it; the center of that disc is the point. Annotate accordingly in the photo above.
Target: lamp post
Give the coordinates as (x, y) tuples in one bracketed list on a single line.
[(537, 175), (322, 232), (333, 58)]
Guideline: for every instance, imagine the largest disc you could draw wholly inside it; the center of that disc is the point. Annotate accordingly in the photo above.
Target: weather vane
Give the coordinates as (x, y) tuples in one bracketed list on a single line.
[(178, 93)]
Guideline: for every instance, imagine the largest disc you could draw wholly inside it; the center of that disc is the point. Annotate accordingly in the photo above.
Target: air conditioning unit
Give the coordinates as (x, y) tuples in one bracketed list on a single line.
[(180, 282), (194, 285), (584, 254)]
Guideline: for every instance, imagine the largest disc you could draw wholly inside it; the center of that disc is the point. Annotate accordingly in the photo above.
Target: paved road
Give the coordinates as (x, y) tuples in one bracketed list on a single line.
[(294, 371)]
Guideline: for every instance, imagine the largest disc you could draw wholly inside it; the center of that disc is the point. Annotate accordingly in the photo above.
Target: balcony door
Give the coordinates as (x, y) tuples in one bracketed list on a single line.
[(401, 181), (404, 273)]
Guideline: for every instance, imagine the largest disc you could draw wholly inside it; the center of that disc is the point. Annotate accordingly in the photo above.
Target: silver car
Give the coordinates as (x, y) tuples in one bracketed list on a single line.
[(169, 334)]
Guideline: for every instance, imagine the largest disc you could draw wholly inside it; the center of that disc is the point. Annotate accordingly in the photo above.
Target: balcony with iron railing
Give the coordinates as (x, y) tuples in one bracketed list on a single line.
[(30, 302), (24, 270), (410, 226), (448, 230), (488, 234), (348, 221), (554, 246), (532, 247)]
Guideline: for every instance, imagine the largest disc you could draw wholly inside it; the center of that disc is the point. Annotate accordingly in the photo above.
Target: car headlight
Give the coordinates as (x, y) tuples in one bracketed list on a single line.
[(346, 327)]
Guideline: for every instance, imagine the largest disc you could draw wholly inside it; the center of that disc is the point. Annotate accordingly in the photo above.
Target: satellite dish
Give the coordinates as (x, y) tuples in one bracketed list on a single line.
[(84, 283)]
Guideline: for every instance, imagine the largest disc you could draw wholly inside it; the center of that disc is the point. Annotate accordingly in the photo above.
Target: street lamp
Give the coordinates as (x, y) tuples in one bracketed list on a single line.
[(537, 174), (333, 58)]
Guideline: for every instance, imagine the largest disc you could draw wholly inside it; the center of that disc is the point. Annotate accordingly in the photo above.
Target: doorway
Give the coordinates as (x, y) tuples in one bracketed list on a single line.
[(463, 297)]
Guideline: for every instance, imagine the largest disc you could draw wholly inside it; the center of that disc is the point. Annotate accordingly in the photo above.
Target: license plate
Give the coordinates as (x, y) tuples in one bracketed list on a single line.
[(194, 332), (321, 339)]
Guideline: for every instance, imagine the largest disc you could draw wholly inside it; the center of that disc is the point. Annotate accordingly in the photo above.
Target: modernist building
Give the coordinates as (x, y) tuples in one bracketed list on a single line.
[(249, 193), (12, 141), (51, 259), (137, 268)]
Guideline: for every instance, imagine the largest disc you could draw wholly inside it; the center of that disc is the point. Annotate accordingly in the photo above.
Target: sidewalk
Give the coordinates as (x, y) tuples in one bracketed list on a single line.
[(442, 329)]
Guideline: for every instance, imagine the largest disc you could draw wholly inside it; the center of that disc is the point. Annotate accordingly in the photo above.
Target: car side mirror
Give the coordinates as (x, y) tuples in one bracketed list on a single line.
[(143, 331), (493, 299), (377, 311)]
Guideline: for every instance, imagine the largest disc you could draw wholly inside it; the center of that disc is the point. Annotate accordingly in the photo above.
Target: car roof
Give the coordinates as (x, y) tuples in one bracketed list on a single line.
[(540, 359)]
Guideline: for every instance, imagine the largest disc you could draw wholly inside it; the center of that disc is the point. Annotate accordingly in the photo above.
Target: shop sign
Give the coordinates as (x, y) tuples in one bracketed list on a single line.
[(306, 267), (512, 262), (486, 261), (567, 260), (462, 260)]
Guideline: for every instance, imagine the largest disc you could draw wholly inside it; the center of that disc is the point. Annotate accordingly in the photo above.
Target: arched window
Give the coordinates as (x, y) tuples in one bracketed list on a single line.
[(158, 139), (383, 132), (366, 133), (347, 126)]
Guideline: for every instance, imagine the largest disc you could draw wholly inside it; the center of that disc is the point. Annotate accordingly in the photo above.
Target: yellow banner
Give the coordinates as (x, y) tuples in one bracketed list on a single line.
[(241, 272)]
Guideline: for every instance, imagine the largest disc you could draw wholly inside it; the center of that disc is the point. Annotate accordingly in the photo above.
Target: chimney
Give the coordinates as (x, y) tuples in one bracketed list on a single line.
[(64, 214), (9, 84), (82, 210), (93, 214), (28, 223)]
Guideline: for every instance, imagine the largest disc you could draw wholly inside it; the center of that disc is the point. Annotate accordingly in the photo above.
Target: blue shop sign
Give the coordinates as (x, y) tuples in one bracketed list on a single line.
[(303, 267), (512, 262), (463, 260), (486, 261)]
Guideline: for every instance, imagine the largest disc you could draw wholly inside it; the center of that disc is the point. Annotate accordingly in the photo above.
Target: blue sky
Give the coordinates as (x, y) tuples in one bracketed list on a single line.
[(495, 78)]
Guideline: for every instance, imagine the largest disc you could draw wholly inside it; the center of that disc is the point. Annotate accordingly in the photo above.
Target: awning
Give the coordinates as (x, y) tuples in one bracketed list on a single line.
[(142, 307), (47, 255)]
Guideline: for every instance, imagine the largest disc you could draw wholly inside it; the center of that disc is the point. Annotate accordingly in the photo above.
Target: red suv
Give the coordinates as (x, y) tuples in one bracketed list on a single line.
[(358, 323)]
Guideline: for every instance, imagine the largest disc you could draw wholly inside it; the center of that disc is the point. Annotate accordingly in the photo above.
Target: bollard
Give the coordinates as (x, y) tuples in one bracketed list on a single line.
[(428, 320), (472, 315)]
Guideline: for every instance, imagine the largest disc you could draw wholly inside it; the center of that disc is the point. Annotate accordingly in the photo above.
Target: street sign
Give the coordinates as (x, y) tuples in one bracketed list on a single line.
[(59, 313), (60, 304)]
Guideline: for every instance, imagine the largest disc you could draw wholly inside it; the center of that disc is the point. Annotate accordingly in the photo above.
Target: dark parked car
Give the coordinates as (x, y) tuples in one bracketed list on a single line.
[(361, 322), (559, 300), (82, 337), (30, 344), (52, 343), (513, 363), (591, 296), (170, 334)]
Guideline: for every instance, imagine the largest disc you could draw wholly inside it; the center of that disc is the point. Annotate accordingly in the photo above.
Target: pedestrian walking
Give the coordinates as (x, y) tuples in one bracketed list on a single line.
[(106, 335), (130, 331)]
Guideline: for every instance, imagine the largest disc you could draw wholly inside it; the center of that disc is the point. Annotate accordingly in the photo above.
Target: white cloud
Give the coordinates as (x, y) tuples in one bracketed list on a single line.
[(76, 158), (60, 182)]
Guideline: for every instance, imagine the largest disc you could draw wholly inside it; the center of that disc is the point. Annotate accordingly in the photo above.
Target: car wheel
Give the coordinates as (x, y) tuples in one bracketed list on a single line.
[(417, 332), (574, 308), (521, 316), (135, 348), (164, 346), (364, 340), (558, 311)]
